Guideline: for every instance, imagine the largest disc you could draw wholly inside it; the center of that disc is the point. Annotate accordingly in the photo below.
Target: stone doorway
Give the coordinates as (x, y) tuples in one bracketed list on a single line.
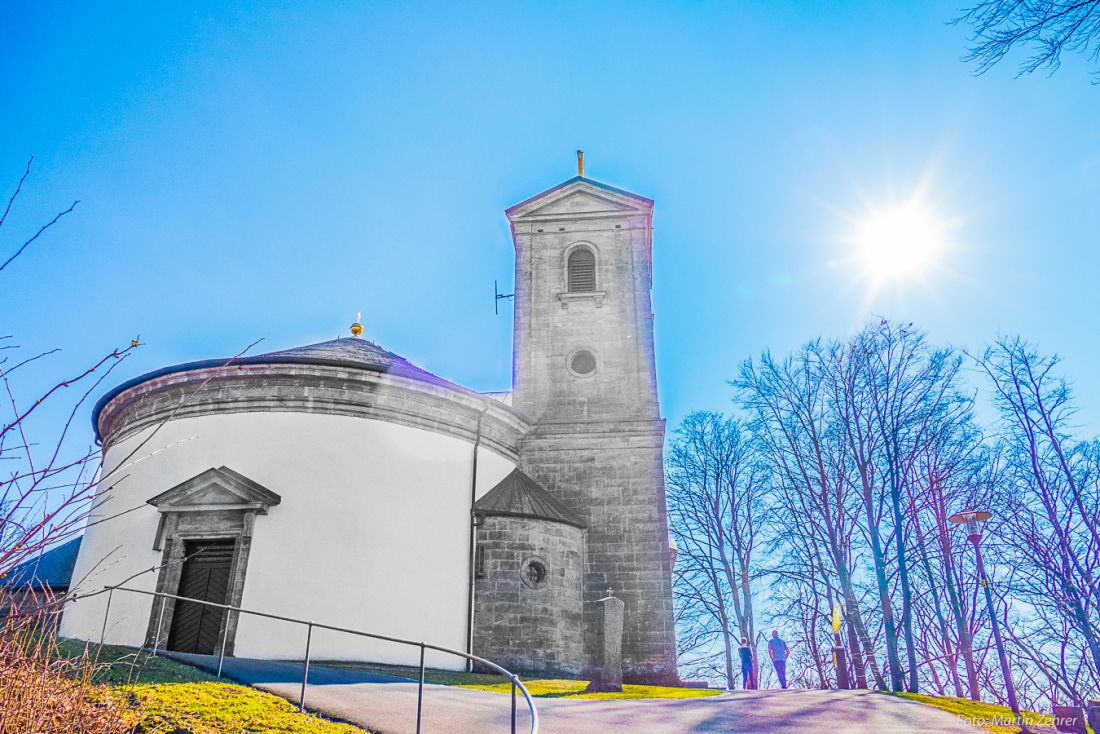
[(205, 576), (205, 536)]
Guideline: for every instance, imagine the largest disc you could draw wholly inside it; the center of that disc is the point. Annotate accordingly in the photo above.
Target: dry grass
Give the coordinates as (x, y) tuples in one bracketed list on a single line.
[(44, 693), (56, 686)]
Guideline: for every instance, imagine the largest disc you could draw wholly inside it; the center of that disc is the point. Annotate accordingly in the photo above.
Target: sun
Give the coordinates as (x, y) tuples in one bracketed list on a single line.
[(898, 243)]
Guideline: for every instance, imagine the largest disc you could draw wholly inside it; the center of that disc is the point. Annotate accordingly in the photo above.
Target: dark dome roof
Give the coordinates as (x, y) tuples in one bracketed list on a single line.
[(350, 352), (518, 495), (356, 353)]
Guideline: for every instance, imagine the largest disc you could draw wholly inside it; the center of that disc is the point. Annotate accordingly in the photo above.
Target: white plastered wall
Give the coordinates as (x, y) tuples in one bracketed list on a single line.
[(372, 532)]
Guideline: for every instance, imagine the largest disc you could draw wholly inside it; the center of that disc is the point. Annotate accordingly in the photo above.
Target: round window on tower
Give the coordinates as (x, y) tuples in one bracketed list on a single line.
[(533, 573), (582, 364)]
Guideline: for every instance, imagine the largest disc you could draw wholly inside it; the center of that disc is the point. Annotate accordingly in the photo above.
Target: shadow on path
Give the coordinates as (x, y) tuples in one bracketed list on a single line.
[(387, 705), (260, 672)]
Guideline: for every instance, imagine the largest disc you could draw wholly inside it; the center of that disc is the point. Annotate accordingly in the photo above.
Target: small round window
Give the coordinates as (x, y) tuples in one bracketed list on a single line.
[(583, 363), (533, 573)]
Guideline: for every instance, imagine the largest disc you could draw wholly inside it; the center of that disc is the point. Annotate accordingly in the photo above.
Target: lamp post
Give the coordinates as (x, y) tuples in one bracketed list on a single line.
[(971, 518)]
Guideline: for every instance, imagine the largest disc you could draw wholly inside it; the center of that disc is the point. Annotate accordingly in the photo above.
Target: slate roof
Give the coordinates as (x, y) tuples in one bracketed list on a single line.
[(346, 352), (518, 495), (358, 353), (53, 569)]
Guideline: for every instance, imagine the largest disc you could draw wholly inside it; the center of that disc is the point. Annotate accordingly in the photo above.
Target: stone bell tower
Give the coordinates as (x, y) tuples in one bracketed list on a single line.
[(584, 372)]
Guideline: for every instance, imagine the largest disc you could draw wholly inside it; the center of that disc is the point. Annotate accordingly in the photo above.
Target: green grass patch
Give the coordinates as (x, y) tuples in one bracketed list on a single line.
[(988, 716), (540, 688), (216, 708), (174, 696), (117, 665), (575, 689)]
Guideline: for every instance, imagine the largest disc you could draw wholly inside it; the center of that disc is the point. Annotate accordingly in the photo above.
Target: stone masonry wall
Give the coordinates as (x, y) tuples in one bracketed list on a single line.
[(611, 474), (523, 626), (598, 440), (615, 324)]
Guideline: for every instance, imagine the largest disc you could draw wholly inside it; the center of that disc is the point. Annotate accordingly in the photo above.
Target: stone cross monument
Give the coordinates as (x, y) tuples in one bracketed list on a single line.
[(584, 372)]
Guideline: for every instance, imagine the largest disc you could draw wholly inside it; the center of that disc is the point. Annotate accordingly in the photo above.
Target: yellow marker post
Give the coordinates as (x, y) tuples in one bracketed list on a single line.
[(840, 658)]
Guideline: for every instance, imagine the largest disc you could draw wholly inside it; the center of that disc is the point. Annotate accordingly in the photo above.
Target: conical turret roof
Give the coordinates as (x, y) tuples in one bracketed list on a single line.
[(518, 495)]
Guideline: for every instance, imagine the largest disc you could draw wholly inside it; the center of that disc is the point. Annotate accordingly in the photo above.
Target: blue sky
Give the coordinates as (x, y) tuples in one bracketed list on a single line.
[(268, 170)]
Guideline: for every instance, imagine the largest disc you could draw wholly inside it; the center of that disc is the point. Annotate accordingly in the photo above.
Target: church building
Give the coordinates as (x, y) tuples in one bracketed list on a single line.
[(339, 483)]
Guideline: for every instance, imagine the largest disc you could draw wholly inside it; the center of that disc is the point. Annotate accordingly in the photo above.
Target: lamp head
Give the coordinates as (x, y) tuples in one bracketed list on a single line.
[(971, 518)]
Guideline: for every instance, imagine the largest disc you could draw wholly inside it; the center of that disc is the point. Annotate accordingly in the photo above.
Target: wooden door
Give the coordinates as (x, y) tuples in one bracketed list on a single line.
[(196, 628)]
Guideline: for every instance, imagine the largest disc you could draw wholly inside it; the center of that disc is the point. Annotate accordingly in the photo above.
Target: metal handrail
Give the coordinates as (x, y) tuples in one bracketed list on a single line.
[(516, 682)]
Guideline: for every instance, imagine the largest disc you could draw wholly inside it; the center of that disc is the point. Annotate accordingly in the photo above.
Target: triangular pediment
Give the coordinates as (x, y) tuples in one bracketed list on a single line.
[(216, 489), (580, 202), (579, 197)]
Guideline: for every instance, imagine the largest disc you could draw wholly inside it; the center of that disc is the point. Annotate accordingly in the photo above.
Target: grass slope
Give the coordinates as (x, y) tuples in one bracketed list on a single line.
[(989, 716), (217, 707), (178, 697)]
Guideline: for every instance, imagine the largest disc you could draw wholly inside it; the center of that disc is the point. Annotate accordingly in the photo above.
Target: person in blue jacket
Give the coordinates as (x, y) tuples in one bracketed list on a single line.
[(748, 676)]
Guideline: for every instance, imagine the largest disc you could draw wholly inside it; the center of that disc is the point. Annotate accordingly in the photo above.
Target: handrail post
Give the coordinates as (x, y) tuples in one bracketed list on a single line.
[(221, 653), (160, 623), (513, 704), (420, 691), (305, 672), (103, 632)]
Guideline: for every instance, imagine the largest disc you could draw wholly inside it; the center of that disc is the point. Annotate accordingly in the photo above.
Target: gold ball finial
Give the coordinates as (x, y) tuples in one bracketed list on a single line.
[(357, 328)]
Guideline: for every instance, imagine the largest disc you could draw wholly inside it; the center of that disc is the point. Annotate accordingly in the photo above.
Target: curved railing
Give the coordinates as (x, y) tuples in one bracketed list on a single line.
[(310, 626)]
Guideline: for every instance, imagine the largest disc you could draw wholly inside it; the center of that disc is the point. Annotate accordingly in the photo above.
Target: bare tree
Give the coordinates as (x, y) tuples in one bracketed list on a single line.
[(795, 421), (871, 441), (716, 486), (1049, 27), (918, 412), (870, 444), (48, 485), (46, 493), (960, 472), (1049, 532), (852, 386)]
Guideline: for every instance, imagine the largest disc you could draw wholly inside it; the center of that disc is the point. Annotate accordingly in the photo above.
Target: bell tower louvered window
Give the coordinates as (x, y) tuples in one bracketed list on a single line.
[(582, 271)]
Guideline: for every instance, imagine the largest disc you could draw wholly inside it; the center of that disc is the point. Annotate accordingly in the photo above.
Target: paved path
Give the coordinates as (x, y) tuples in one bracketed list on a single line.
[(387, 705)]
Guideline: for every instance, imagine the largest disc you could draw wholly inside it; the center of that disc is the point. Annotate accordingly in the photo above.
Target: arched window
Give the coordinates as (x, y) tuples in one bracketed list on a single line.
[(582, 271)]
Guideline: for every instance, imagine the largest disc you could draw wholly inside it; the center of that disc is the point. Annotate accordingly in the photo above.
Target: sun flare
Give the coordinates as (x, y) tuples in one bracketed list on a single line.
[(899, 242)]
